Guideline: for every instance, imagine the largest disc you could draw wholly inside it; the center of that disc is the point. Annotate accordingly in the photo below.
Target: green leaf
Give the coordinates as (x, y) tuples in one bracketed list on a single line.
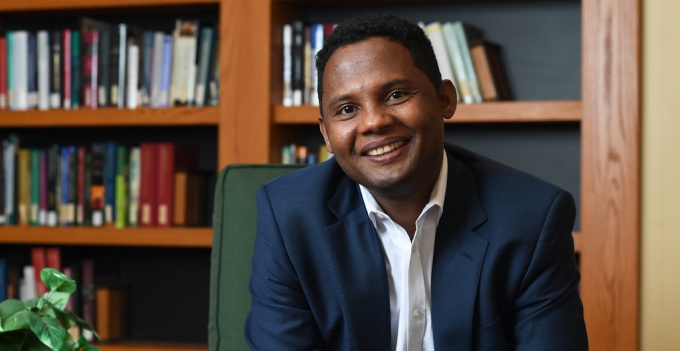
[(50, 332), (19, 320), (57, 299), (57, 281), (90, 347), (8, 308)]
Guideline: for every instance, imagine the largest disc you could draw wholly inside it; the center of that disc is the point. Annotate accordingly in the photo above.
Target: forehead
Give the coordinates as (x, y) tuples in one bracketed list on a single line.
[(370, 60)]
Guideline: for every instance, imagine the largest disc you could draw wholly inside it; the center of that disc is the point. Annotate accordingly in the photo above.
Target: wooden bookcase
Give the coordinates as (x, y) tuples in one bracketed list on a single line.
[(251, 126)]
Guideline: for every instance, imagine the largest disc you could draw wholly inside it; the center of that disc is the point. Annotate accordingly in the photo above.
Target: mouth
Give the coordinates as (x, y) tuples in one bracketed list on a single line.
[(385, 149)]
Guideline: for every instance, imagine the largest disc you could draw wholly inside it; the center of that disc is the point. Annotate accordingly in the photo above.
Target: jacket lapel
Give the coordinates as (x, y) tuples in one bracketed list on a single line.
[(360, 270), (457, 264)]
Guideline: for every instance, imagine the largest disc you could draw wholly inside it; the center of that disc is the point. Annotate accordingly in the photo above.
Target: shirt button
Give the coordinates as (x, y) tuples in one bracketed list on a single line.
[(417, 315)]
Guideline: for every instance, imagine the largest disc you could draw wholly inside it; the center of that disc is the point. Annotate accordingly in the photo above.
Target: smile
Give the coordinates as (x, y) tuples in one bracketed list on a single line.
[(385, 149)]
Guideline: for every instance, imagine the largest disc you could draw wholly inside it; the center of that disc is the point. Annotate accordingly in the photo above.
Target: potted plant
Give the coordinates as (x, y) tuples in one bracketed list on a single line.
[(41, 324)]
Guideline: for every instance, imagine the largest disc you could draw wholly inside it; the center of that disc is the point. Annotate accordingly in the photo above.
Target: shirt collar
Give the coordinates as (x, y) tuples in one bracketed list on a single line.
[(436, 197)]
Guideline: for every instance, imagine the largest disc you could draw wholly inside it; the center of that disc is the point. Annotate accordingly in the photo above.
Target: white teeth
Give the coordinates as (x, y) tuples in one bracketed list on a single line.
[(385, 149)]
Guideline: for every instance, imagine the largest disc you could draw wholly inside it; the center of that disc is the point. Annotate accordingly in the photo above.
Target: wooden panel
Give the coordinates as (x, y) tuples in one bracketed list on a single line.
[(610, 173), (491, 112), (107, 236), (34, 5), (245, 70), (109, 117)]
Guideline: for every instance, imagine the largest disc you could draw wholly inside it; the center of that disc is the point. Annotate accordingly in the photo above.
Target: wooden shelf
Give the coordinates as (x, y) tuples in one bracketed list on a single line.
[(112, 117), (150, 346), (36, 5), (488, 112), (107, 236)]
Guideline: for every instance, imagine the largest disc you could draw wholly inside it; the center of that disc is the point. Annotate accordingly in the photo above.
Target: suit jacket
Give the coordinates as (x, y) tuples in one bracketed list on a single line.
[(504, 275)]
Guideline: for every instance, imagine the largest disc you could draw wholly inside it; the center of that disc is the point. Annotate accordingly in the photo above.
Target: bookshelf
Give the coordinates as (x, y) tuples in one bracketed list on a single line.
[(251, 126)]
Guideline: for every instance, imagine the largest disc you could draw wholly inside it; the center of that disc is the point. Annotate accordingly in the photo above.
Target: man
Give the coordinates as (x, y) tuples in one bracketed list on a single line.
[(403, 242)]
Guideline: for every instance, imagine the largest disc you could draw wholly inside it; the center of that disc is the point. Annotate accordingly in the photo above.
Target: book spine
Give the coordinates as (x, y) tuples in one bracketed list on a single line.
[(66, 68), (32, 76), (183, 69), (317, 39), (97, 184), (121, 187), (20, 42), (164, 192), (90, 68), (103, 75), (65, 177), (43, 188), (10, 69), (56, 76), (148, 184), (166, 71), (134, 184), (52, 179), (24, 180), (133, 75), (204, 56), (3, 73), (39, 262), (81, 199), (43, 53), (297, 52), (34, 206), (75, 69), (157, 69), (122, 62), (110, 182), (147, 60)]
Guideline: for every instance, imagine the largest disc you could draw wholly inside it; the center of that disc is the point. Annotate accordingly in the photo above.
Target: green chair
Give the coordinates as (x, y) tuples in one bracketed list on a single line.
[(234, 227)]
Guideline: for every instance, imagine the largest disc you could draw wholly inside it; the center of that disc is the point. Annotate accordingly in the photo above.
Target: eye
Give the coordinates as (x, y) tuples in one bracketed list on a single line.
[(346, 111), (398, 97), (395, 95)]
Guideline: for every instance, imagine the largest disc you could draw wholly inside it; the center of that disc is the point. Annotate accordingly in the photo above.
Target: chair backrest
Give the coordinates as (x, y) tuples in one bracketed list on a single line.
[(234, 227)]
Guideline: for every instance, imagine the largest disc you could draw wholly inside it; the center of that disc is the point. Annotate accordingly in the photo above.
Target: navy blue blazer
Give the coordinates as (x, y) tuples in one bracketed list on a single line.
[(504, 275)]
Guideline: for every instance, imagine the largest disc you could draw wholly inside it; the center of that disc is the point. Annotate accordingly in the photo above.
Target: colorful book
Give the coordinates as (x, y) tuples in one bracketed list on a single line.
[(42, 214), (20, 70), (122, 179), (435, 31), (148, 185), (43, 54), (38, 262), (97, 190), (110, 162), (90, 68), (35, 172), (134, 175), (81, 199), (56, 69), (204, 56), (24, 180), (297, 61), (171, 158), (67, 51), (166, 71), (76, 80), (52, 182), (488, 64), (103, 30), (157, 69), (31, 76), (3, 73)]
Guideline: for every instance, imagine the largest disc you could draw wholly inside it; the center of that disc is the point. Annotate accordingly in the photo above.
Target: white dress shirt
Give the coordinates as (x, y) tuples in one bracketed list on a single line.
[(409, 267)]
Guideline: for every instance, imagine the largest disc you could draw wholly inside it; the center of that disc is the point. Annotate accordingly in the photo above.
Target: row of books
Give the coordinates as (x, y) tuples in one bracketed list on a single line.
[(106, 183), (467, 59), (102, 64), (301, 42), (301, 154), (100, 298), (464, 56)]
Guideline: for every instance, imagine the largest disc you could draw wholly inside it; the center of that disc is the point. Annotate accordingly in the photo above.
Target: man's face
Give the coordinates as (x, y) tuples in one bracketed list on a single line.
[(383, 120)]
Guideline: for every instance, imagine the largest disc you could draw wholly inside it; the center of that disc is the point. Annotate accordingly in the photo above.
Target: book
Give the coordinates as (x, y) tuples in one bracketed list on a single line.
[(134, 186), (42, 214), (297, 62), (111, 312), (317, 39), (189, 198), (148, 184), (52, 177), (4, 279), (56, 69), (121, 199), (204, 56), (110, 171), (43, 58), (103, 30), (3, 73), (53, 258), (147, 49), (9, 35), (24, 180), (460, 36), (90, 68), (35, 187), (213, 98), (67, 52), (27, 286), (488, 64), (38, 262), (32, 69), (76, 82), (81, 199), (10, 146), (166, 71), (3, 145), (156, 69), (132, 94), (435, 31), (171, 158), (67, 206), (97, 190), (287, 64), (20, 70), (118, 65), (185, 43)]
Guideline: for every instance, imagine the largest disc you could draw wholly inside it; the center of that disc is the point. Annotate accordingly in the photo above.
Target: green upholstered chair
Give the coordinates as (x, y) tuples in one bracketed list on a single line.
[(234, 227)]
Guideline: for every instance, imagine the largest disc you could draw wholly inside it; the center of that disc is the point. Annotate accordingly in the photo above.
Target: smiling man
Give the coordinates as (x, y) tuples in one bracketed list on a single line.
[(403, 242)]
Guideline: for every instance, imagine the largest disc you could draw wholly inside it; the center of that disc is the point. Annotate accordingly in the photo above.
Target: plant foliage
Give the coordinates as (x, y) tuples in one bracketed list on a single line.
[(42, 323)]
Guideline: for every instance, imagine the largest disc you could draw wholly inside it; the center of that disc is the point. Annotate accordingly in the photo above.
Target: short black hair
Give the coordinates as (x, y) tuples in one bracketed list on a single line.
[(392, 27)]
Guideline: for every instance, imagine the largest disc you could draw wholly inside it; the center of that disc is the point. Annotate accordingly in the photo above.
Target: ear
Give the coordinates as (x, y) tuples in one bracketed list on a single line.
[(448, 98), (322, 127)]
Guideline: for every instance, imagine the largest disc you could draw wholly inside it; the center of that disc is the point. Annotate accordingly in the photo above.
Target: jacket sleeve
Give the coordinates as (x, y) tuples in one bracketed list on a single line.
[(280, 317), (548, 311)]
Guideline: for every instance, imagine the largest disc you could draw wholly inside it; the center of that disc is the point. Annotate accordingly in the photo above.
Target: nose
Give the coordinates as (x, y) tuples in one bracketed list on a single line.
[(375, 118)]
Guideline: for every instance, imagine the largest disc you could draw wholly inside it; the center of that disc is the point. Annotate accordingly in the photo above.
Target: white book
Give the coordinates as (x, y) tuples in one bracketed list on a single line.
[(287, 65), (122, 59), (157, 69), (133, 74), (185, 43), (20, 53), (43, 53), (27, 287), (435, 33)]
